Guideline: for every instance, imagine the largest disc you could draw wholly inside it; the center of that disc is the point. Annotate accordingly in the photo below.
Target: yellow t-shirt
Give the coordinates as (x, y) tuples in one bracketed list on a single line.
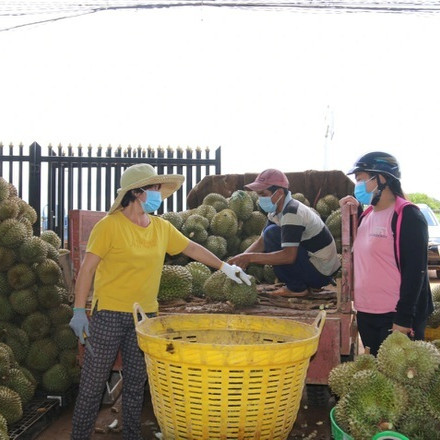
[(131, 263)]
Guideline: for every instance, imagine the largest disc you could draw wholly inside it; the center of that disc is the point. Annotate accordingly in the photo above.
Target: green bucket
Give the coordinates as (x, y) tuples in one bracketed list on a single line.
[(339, 434)]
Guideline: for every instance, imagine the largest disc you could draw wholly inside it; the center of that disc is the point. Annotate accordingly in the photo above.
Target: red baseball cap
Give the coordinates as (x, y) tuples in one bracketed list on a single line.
[(268, 178)]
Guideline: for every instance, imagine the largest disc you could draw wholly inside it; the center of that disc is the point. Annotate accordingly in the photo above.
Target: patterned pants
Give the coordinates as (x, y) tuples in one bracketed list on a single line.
[(109, 332)]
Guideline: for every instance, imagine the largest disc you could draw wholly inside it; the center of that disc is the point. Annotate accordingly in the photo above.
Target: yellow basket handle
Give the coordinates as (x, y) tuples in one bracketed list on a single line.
[(320, 320), (137, 310)]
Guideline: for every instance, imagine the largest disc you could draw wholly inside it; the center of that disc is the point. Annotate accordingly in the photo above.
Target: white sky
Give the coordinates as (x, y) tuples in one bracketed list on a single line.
[(258, 83)]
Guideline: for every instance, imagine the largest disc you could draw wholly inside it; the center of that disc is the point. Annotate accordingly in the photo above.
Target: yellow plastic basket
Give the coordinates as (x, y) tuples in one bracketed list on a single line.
[(231, 377)]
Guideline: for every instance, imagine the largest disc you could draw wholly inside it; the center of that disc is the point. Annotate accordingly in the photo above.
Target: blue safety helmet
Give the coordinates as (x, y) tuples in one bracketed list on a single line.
[(379, 163)]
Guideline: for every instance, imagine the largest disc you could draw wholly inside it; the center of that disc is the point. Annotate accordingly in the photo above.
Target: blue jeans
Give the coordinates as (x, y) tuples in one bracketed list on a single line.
[(301, 274)]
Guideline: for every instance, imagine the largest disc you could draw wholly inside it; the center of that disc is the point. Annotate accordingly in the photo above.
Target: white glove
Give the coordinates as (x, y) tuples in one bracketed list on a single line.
[(235, 273)]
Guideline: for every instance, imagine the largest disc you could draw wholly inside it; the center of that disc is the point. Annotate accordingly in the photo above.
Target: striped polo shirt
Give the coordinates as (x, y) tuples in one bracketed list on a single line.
[(301, 226)]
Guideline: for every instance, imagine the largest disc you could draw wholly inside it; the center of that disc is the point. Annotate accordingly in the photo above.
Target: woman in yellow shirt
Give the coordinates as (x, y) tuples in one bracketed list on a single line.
[(125, 255)]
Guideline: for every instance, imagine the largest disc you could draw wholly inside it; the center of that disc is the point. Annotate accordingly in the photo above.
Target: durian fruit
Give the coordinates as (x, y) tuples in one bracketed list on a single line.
[(175, 283), (200, 273), (408, 362), (26, 211), (323, 208), (195, 228), (332, 201), (435, 291), (334, 223), (21, 384), (10, 405), (233, 245), (206, 211), (254, 224), (4, 189), (49, 296), (52, 238), (42, 354), (12, 233), (8, 209), (213, 286), (178, 259), (64, 337), (56, 379), (269, 274), (33, 250), (434, 318), (24, 301), (242, 204), (374, 403), (7, 258), (248, 241), (36, 325), (69, 359), (52, 253), (301, 198), (174, 218), (340, 377), (241, 295), (21, 276), (5, 288), (224, 223), (257, 271), (217, 201), (61, 314), (186, 214), (217, 245), (5, 363), (3, 427), (48, 272), (6, 310), (433, 396), (17, 339)]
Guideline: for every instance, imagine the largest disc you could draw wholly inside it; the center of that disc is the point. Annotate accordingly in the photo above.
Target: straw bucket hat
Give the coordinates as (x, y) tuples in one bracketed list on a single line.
[(143, 174)]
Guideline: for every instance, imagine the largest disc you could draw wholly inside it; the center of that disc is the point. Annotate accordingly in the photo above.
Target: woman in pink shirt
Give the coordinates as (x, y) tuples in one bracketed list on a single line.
[(391, 283)]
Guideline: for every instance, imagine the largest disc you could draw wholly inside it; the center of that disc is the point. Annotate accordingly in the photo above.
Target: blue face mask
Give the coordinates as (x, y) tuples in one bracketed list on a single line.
[(266, 204), (361, 193), (153, 202)]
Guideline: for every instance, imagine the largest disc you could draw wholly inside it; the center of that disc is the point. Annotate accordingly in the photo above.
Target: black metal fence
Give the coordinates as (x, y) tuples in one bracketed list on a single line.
[(55, 180)]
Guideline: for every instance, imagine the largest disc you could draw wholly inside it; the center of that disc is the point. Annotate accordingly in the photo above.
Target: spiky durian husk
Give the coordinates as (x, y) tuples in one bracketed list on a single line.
[(374, 403), (28, 212), (68, 358), (24, 301), (36, 325), (52, 253), (269, 274), (254, 224), (301, 198), (10, 405), (242, 204), (7, 258), (52, 238), (175, 282), (233, 245), (8, 209), (64, 337), (5, 288), (248, 241), (334, 223), (49, 295), (323, 208), (217, 245), (433, 396), (6, 310), (60, 315), (42, 354), (224, 223), (4, 189), (206, 211), (174, 218), (33, 250), (17, 339), (3, 426), (195, 228), (48, 271), (435, 291), (217, 201), (408, 362), (12, 233), (332, 201), (241, 295), (20, 276), (5, 363), (56, 379), (257, 271), (18, 382), (213, 286), (200, 273)]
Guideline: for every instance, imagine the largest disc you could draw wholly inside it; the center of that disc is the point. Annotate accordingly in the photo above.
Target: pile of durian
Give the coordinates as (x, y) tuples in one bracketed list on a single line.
[(227, 227), (38, 349), (434, 318), (397, 391)]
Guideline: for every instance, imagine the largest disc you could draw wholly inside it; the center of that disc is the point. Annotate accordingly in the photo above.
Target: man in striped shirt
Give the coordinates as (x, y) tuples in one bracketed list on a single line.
[(295, 241)]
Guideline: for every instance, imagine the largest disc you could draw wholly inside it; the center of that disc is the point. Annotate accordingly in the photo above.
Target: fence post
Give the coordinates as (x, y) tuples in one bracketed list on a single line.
[(35, 184), (218, 160)]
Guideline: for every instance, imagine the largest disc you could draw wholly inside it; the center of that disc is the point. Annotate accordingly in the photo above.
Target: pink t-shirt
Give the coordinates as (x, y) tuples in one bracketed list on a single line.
[(376, 276)]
